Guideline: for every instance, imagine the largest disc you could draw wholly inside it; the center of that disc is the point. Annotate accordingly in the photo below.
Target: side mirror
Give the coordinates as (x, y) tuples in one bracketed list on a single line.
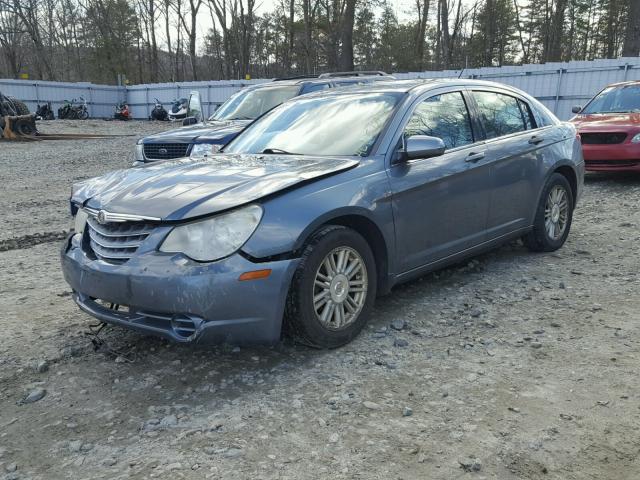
[(189, 121), (421, 146), (576, 109)]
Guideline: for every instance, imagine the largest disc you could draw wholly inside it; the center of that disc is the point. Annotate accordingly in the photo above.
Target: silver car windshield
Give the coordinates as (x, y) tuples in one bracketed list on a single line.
[(250, 104), (615, 100), (346, 124)]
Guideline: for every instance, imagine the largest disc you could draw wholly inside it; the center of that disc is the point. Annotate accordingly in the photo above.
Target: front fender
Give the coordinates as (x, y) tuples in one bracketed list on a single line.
[(291, 217)]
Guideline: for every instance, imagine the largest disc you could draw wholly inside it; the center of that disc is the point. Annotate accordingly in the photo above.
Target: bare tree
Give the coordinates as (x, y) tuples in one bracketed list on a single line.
[(422, 7), (631, 46), (189, 23)]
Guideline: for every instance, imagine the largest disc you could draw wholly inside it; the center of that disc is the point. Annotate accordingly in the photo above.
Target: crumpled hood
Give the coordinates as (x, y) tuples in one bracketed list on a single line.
[(611, 122), (187, 188), (212, 130)]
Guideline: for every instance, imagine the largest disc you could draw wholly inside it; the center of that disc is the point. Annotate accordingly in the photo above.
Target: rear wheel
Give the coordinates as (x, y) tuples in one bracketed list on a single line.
[(25, 127), (553, 216), (333, 289)]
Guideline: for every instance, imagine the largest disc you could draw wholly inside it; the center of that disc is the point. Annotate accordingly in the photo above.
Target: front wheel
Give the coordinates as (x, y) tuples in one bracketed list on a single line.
[(333, 289), (553, 217)]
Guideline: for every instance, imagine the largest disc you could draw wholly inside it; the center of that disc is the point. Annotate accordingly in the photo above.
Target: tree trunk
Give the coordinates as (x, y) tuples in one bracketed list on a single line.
[(346, 54), (292, 32), (554, 52), (632, 36), (423, 15), (154, 42), (444, 28)]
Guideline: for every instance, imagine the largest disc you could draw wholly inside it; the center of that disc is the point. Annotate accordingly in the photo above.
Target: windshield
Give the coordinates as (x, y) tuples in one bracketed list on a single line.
[(250, 104), (344, 124), (615, 100)]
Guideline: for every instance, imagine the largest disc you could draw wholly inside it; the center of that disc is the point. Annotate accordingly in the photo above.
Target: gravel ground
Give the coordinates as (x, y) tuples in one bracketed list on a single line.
[(511, 366)]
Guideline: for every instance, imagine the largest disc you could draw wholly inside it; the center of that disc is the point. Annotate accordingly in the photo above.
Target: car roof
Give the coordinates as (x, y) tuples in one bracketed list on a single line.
[(277, 82), (624, 84), (416, 85)]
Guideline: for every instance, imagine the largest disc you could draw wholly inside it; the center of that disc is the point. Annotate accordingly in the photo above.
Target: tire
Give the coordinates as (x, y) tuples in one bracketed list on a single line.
[(19, 106), (543, 238), (83, 114), (25, 127), (351, 310)]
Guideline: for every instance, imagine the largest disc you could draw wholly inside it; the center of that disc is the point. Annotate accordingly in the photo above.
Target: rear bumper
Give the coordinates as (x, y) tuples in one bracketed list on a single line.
[(610, 158), (181, 300)]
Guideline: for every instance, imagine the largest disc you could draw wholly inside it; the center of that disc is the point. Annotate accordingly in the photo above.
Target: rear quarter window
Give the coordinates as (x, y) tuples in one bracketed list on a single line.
[(499, 114)]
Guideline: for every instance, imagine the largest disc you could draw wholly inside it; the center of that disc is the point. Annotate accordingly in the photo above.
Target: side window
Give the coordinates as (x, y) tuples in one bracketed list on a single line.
[(529, 120), (444, 116), (314, 87), (499, 114)]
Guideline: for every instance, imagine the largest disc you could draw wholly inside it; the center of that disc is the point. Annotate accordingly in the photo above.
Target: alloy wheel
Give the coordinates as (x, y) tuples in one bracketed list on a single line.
[(340, 288), (556, 212)]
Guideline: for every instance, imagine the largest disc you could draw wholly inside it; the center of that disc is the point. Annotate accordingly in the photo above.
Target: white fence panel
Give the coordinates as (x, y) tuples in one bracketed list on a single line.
[(559, 86), (100, 99)]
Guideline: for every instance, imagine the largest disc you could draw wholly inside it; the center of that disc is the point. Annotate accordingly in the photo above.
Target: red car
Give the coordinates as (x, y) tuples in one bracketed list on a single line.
[(610, 129)]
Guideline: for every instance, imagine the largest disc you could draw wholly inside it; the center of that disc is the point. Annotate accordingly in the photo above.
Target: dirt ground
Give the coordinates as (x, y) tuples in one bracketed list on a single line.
[(511, 366)]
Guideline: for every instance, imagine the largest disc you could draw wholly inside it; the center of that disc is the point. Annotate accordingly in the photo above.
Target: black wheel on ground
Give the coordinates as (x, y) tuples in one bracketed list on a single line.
[(333, 289), (19, 106), (553, 217), (25, 127)]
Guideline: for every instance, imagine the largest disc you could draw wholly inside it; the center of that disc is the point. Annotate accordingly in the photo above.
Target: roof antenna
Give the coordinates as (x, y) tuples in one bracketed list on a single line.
[(461, 72)]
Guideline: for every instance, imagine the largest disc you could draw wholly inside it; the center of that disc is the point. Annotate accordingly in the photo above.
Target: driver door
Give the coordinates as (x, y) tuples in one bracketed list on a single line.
[(440, 204)]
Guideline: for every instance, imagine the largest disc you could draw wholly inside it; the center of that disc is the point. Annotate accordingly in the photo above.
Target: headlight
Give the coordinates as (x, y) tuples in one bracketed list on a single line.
[(216, 237), (80, 221), (139, 153), (636, 138), (205, 149)]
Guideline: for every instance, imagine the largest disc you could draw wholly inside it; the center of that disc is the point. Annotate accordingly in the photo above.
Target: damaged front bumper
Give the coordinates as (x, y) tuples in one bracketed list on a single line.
[(185, 301)]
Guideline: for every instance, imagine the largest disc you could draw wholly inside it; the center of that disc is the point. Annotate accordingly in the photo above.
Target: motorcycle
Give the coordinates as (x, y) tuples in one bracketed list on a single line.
[(159, 112), (81, 111), (179, 109), (64, 112), (44, 112), (122, 112), (70, 111)]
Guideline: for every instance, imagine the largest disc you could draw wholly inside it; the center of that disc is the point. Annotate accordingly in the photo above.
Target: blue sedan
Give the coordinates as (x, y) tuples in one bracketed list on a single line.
[(321, 205)]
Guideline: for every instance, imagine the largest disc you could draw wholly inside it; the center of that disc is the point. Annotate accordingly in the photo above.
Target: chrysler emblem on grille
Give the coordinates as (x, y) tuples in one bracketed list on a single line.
[(102, 217), (163, 151)]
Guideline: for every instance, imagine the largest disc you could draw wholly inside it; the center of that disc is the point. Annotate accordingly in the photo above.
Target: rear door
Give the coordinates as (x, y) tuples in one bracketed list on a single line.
[(440, 204), (515, 150)]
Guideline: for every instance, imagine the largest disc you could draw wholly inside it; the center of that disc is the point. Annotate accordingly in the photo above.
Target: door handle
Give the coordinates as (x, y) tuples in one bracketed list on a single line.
[(473, 157), (535, 140)]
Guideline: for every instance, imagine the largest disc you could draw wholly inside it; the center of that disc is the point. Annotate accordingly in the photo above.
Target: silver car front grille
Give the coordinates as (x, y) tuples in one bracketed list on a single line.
[(116, 242)]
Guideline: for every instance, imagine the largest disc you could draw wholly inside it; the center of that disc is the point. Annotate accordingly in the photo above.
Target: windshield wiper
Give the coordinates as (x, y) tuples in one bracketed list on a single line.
[(277, 150)]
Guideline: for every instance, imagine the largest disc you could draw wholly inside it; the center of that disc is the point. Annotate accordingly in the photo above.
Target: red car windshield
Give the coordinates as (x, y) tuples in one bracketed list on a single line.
[(624, 99)]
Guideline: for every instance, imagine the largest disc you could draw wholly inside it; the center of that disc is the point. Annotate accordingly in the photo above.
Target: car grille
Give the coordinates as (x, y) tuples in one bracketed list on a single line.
[(612, 163), (603, 138), (116, 242), (165, 151)]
